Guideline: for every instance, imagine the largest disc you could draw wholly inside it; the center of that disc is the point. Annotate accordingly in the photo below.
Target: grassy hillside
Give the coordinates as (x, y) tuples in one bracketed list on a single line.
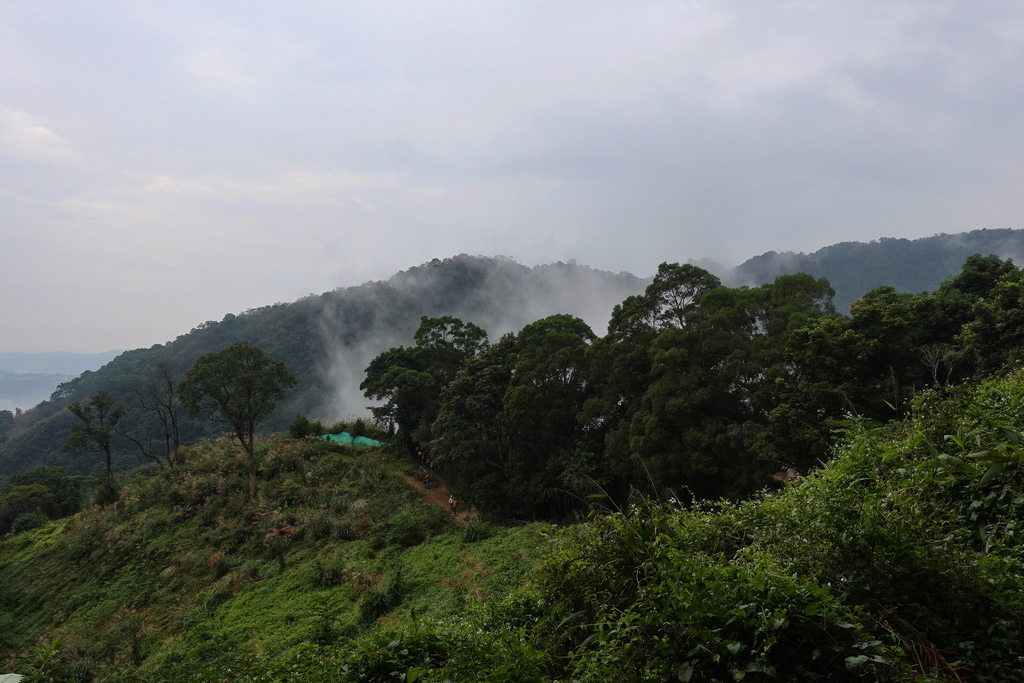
[(902, 560), (188, 575)]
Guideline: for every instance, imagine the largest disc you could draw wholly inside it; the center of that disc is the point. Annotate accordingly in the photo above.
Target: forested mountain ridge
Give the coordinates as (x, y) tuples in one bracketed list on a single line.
[(853, 268), (328, 340)]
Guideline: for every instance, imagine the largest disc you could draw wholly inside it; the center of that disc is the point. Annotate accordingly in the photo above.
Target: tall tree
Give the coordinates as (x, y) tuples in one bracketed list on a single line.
[(6, 422), (241, 385), (99, 415), (621, 361), (994, 340), (549, 386), (508, 432), (446, 343), (159, 398), (715, 377), (410, 380), (676, 290), (472, 436)]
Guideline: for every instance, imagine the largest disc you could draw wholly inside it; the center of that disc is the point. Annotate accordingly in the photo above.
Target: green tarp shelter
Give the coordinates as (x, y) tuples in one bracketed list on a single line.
[(348, 439)]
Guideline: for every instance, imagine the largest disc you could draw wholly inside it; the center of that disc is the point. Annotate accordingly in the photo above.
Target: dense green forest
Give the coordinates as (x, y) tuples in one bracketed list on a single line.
[(327, 340), (698, 390), (892, 553)]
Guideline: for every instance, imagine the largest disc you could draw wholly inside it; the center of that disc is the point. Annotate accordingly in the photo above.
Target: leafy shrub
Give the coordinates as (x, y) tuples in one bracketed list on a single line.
[(390, 656), (377, 603), (405, 529), (299, 428), (320, 528), (250, 571), (476, 530), (27, 521), (329, 573), (220, 565), (50, 664)]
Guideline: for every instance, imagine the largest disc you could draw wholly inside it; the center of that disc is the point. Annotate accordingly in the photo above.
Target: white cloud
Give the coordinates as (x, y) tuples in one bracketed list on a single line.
[(23, 135)]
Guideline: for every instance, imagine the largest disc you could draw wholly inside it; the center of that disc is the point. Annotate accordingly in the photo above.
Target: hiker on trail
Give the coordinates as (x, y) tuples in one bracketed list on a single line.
[(451, 499), (426, 481), (455, 506), (430, 463)]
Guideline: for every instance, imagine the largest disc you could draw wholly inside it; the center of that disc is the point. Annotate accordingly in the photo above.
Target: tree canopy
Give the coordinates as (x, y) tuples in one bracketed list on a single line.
[(240, 386), (698, 390), (98, 417)]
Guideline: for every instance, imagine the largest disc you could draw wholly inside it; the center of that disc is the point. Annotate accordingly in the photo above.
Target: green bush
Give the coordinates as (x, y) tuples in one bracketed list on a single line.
[(405, 529), (27, 521), (328, 573), (475, 530), (299, 427), (320, 527)]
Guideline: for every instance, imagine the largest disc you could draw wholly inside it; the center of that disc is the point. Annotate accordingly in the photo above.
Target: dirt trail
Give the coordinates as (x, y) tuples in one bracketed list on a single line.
[(437, 494)]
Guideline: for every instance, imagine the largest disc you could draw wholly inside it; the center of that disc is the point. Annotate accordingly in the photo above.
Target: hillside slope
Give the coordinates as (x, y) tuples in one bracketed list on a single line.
[(188, 578), (326, 341), (900, 560)]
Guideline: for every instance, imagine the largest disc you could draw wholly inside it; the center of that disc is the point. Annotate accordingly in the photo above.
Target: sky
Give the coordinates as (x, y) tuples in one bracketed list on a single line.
[(165, 163)]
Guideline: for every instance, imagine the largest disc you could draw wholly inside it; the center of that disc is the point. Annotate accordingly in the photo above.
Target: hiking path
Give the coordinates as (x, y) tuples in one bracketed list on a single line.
[(438, 494)]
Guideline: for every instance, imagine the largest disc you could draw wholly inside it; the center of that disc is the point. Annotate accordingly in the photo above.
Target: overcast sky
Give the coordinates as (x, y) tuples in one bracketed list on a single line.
[(165, 163)]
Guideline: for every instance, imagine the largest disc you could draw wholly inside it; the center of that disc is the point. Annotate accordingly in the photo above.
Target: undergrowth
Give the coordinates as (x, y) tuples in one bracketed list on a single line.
[(901, 560), (188, 578)]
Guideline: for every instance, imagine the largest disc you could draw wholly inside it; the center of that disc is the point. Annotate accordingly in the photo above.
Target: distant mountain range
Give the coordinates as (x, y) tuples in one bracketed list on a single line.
[(327, 340), (854, 268), (28, 378), (58, 362)]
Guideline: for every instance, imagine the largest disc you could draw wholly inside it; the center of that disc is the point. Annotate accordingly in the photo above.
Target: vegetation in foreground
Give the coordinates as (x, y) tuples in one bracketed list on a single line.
[(900, 560), (190, 578)]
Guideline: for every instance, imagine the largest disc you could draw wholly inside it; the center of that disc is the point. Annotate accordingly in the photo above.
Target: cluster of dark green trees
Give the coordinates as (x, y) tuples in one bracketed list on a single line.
[(326, 340), (698, 390), (238, 386), (32, 497)]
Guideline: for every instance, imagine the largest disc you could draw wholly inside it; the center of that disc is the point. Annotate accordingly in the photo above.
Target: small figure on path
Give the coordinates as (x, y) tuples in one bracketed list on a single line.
[(426, 481)]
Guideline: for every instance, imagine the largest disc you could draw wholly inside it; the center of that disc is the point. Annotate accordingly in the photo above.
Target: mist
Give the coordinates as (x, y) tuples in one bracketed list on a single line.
[(496, 294), (500, 295)]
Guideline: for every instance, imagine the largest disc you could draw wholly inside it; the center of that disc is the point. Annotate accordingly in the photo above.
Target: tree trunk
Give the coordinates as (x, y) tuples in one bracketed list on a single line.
[(252, 472)]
